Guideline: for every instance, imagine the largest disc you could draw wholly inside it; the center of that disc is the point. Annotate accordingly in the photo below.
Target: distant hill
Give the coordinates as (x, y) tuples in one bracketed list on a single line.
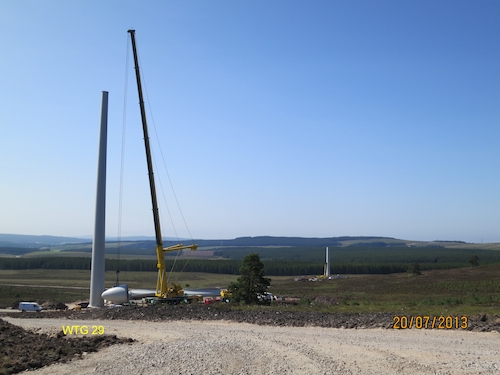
[(270, 241), (36, 242), (282, 255), (146, 245), (30, 241)]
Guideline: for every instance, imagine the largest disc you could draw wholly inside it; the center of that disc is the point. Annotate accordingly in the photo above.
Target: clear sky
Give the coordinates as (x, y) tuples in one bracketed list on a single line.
[(276, 117)]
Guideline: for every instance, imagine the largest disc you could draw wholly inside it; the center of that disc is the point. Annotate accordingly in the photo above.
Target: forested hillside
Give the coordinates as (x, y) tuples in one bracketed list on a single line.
[(286, 261)]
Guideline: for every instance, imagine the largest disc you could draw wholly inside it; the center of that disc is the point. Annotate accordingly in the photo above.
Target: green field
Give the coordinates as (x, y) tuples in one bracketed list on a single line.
[(458, 291), (462, 291)]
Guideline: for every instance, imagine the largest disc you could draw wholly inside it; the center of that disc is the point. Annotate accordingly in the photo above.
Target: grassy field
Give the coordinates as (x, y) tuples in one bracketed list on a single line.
[(458, 291), (449, 292)]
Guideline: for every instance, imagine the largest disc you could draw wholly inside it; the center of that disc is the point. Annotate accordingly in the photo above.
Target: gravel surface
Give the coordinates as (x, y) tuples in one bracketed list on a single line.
[(225, 347)]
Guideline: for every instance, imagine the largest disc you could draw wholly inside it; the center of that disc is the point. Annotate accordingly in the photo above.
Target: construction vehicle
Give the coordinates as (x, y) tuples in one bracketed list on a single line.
[(174, 292), (226, 295)]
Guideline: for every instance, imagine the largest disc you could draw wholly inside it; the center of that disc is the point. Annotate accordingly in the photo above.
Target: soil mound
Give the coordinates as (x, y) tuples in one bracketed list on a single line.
[(261, 315), (22, 350)]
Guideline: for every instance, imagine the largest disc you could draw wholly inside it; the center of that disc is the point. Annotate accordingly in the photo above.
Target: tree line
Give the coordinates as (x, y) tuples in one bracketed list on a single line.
[(272, 267), (366, 254)]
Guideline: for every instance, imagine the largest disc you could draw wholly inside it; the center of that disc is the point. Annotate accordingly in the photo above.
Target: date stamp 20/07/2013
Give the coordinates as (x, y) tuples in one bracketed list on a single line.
[(430, 322)]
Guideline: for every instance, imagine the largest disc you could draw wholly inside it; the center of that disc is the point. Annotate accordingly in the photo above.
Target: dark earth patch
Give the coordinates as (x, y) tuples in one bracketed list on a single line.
[(261, 315), (22, 350)]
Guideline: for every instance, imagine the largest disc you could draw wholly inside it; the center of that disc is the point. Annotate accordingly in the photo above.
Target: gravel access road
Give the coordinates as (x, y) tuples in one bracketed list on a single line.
[(224, 347)]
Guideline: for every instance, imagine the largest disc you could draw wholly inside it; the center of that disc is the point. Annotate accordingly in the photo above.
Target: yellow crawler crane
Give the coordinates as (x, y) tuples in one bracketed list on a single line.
[(162, 289)]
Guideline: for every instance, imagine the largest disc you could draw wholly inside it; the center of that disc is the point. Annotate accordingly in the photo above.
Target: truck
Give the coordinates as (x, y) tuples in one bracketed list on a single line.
[(29, 306)]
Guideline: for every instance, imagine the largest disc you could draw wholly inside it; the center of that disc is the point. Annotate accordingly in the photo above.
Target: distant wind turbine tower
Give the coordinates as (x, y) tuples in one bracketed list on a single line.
[(98, 245), (327, 263)]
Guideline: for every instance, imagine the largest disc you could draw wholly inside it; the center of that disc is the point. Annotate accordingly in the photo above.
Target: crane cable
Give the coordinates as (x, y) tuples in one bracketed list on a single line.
[(122, 165), (166, 202), (170, 182)]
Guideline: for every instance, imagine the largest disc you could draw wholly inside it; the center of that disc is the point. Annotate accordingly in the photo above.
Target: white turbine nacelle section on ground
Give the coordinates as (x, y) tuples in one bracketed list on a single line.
[(122, 294), (116, 294)]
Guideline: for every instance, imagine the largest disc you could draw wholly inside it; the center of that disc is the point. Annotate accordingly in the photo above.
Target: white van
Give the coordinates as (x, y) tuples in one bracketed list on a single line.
[(29, 306)]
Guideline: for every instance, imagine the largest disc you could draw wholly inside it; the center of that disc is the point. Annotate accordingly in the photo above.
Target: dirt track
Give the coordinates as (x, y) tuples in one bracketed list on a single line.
[(222, 347), (198, 339)]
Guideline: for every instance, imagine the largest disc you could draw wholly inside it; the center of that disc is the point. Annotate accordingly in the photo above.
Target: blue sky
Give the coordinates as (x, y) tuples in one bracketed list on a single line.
[(282, 118)]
